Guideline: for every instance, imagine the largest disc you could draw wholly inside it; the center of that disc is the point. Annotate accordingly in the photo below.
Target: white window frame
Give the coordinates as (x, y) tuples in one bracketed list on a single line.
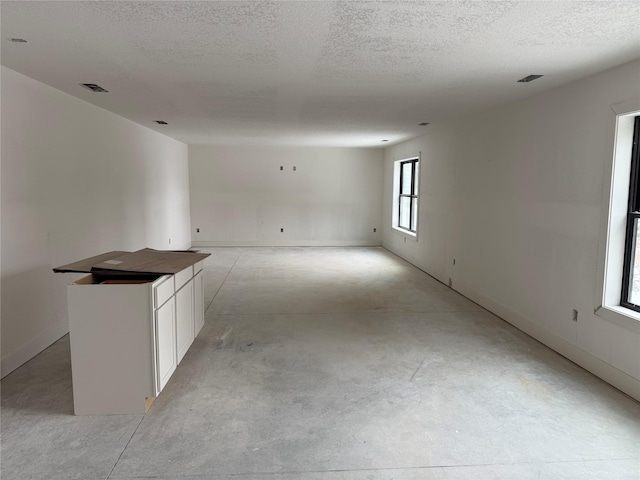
[(395, 216), (612, 243)]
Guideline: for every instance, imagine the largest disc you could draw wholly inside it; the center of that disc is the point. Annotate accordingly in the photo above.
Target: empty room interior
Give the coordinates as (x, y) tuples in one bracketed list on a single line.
[(407, 233)]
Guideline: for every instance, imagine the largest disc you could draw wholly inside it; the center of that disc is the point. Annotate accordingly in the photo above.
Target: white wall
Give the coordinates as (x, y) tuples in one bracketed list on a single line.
[(239, 195), (515, 196), (76, 181)]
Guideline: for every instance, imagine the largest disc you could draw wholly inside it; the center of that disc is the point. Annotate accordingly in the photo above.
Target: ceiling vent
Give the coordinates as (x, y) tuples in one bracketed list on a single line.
[(423, 124), (17, 40), (530, 78), (94, 88), (161, 122)]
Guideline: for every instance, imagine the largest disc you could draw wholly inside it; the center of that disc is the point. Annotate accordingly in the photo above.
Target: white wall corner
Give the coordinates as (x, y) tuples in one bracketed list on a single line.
[(185, 246)]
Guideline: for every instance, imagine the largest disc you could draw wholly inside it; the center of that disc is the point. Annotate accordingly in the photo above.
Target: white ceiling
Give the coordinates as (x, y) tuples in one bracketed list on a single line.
[(312, 72)]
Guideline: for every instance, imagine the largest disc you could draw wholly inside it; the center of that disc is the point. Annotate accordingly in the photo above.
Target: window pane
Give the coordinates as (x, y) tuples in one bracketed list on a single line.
[(414, 214), (416, 176), (634, 274), (406, 179), (404, 212)]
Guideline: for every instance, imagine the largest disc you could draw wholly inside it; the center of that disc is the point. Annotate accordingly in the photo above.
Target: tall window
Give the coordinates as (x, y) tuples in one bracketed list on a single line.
[(631, 272), (407, 196), (619, 248)]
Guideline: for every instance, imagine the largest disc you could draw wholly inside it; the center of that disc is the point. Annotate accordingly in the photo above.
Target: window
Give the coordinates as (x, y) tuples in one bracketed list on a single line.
[(618, 292), (631, 270), (406, 188)]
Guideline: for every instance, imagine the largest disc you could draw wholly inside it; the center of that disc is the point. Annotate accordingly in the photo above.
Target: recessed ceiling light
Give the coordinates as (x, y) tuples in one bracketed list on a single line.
[(423, 124), (94, 88), (161, 122), (529, 78), (17, 40)]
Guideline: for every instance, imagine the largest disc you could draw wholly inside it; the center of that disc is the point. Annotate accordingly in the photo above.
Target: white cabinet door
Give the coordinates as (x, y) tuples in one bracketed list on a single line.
[(184, 318), (198, 302), (165, 338)]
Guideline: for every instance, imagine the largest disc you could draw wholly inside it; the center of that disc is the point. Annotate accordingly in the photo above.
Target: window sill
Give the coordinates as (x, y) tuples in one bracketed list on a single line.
[(629, 319), (406, 233)]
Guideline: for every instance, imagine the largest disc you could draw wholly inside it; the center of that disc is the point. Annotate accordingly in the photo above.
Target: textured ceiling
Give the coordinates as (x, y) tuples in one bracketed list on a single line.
[(311, 73)]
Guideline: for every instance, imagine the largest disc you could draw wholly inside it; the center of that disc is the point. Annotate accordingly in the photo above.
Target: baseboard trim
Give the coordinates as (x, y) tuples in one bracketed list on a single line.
[(33, 347), (285, 243), (605, 371), (601, 369)]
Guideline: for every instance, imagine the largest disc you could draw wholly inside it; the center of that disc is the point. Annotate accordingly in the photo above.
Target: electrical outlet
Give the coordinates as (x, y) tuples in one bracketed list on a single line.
[(375, 230), (282, 230), (169, 241), (281, 167), (294, 169), (197, 230), (454, 261), (575, 315)]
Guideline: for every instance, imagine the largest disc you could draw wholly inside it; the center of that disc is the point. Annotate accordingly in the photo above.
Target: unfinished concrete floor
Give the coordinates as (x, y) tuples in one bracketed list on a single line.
[(333, 364)]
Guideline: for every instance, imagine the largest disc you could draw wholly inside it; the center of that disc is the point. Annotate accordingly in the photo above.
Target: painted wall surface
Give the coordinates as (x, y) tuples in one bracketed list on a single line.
[(239, 195), (515, 196), (76, 181)]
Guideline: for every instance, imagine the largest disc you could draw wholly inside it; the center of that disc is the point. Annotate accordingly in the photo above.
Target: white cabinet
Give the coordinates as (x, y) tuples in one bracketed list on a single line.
[(165, 344), (198, 304), (128, 335), (184, 318), (113, 343)]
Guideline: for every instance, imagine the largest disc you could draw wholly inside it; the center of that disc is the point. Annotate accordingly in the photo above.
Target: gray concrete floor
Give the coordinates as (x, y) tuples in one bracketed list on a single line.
[(333, 364)]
